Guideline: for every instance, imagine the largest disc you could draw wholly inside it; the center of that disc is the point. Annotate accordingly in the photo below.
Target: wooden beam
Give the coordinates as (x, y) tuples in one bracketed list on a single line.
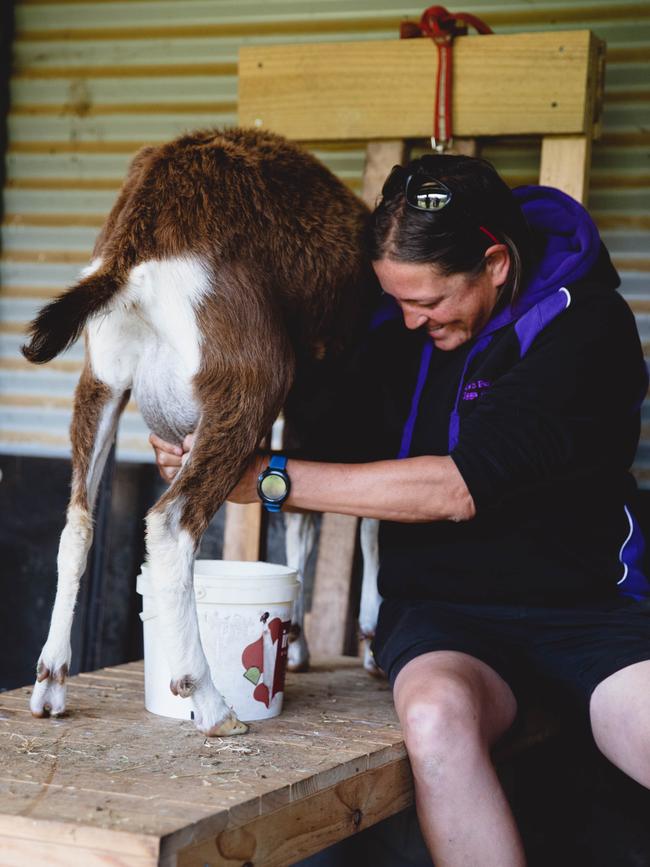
[(242, 531), (530, 83), (307, 826)]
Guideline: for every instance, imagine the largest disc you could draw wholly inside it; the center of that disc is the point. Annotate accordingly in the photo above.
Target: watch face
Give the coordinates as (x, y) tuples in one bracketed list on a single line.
[(273, 486)]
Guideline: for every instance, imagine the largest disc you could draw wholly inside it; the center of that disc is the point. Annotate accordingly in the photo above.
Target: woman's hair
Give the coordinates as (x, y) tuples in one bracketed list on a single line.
[(454, 237)]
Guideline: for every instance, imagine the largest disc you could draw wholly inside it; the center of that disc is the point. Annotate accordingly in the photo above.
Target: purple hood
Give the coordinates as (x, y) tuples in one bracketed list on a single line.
[(570, 248)]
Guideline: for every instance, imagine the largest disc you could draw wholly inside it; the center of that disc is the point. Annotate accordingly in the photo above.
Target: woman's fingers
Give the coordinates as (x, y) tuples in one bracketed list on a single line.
[(168, 457), (162, 444)]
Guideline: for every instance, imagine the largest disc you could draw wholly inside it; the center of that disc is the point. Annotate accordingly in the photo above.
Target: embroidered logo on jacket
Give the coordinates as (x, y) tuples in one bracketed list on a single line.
[(472, 390)]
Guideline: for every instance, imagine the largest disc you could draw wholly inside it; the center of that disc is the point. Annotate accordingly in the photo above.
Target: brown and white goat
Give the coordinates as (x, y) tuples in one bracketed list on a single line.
[(230, 268)]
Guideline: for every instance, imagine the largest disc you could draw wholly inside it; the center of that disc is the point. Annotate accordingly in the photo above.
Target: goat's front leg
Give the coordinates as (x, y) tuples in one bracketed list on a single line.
[(94, 424), (300, 535), (370, 598)]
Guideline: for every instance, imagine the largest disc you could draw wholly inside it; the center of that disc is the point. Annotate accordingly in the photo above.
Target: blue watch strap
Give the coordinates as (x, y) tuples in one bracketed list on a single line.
[(278, 462)]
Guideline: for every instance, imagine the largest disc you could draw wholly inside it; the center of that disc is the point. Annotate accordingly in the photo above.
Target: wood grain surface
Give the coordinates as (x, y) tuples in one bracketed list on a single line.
[(530, 83), (113, 784)]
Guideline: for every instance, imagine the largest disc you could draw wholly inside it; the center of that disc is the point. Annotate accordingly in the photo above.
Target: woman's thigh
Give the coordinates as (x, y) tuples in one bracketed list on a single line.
[(447, 693)]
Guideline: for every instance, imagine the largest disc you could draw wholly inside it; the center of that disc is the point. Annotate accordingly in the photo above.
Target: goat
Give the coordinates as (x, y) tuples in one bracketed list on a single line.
[(228, 276)]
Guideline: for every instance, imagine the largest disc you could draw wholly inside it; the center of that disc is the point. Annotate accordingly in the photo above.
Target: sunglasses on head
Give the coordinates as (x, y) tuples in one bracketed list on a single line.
[(422, 191)]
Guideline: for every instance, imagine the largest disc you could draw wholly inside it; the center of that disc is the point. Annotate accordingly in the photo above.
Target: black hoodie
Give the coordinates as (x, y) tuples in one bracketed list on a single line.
[(540, 413)]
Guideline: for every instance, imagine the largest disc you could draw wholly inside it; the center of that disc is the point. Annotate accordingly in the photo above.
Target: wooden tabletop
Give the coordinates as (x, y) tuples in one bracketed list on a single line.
[(112, 783)]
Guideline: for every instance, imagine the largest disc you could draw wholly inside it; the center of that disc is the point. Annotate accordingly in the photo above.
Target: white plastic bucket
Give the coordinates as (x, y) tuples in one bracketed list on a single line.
[(244, 612)]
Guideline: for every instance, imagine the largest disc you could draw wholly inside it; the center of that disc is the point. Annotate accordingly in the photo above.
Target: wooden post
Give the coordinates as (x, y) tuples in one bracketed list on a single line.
[(242, 532), (381, 156), (326, 626), (565, 164)]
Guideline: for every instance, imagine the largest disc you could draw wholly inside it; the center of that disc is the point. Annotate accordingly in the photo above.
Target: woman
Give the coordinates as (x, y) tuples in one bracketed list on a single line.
[(509, 388)]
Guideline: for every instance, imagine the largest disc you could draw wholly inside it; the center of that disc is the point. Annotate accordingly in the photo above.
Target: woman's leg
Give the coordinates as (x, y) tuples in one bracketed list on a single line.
[(620, 720), (453, 708)]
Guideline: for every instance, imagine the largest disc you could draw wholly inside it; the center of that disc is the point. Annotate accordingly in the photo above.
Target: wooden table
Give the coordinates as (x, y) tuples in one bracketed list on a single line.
[(113, 784)]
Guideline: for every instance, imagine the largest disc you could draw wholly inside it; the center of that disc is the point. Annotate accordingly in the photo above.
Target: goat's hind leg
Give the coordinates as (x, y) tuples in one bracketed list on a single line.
[(300, 536), (370, 598), (96, 414)]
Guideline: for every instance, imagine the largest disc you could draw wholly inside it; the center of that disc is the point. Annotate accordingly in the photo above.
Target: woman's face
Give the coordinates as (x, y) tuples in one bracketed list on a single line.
[(452, 308)]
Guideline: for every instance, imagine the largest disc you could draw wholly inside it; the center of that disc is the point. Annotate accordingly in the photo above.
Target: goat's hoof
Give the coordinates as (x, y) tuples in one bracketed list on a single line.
[(48, 695), (230, 726), (184, 686), (374, 670), (298, 667), (369, 658), (297, 650)]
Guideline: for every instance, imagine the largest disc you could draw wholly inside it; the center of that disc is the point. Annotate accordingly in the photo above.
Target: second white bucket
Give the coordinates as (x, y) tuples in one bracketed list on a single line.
[(244, 612)]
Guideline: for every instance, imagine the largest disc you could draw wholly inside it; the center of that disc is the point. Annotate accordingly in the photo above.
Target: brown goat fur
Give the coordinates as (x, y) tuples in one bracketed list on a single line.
[(259, 253)]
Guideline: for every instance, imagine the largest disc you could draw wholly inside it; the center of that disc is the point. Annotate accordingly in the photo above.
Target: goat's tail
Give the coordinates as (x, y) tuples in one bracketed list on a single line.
[(60, 323)]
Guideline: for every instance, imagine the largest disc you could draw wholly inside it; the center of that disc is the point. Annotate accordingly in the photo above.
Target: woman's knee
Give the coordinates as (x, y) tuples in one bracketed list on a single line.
[(445, 708), (444, 715)]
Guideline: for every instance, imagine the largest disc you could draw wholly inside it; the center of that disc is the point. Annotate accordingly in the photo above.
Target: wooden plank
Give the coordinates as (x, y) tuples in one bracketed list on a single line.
[(309, 825), (381, 156), (326, 628), (565, 164), (22, 851), (242, 531), (531, 83), (24, 841)]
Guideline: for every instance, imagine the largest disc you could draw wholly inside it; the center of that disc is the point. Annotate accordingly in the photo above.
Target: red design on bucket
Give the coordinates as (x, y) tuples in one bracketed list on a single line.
[(265, 660)]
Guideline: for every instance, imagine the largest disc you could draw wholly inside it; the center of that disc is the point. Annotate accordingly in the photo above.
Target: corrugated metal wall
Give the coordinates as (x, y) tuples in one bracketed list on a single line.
[(92, 81)]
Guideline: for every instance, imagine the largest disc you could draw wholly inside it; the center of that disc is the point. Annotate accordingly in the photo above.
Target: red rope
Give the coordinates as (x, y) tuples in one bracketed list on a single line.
[(442, 27)]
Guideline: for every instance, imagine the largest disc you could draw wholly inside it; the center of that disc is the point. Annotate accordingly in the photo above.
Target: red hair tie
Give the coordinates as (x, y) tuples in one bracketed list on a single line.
[(489, 234)]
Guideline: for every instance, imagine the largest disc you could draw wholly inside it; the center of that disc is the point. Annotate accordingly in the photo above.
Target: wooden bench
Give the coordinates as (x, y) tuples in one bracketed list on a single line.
[(113, 784)]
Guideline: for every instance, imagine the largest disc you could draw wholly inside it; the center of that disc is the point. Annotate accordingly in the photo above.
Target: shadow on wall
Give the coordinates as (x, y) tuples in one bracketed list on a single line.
[(107, 630), (34, 496)]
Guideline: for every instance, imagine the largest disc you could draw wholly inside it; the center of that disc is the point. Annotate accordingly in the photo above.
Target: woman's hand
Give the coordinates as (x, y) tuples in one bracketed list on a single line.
[(245, 491), (169, 457)]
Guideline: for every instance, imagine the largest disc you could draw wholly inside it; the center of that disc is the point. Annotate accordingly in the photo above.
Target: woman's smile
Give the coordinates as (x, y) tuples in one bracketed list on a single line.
[(451, 308)]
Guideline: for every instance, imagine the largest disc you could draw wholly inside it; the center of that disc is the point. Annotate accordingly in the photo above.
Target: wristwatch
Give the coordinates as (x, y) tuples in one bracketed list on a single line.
[(273, 485)]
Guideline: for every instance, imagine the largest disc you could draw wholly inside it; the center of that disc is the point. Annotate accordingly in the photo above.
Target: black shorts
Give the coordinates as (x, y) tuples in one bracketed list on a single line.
[(567, 649)]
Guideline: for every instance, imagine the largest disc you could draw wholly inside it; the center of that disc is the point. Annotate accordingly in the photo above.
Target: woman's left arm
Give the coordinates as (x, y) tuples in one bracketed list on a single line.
[(415, 489), (420, 489)]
